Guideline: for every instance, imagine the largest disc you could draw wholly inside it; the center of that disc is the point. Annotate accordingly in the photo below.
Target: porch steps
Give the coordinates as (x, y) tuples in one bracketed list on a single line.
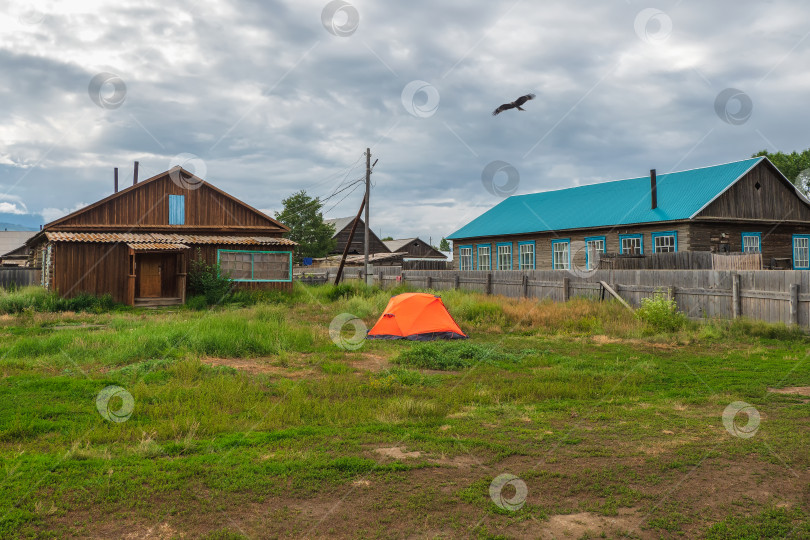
[(157, 302)]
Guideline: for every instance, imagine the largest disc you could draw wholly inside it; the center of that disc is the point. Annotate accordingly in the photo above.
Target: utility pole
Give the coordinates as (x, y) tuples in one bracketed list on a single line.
[(366, 270)]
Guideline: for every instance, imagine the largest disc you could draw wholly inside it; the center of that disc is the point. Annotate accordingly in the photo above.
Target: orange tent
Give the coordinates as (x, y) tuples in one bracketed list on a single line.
[(416, 316)]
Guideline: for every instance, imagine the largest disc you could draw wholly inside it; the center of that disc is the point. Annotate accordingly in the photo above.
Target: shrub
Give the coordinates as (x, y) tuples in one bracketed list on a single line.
[(660, 314), (206, 280)]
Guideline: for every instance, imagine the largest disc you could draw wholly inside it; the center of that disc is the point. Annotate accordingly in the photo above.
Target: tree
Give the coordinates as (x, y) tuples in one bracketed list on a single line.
[(444, 245), (795, 166), (302, 214), (387, 238)]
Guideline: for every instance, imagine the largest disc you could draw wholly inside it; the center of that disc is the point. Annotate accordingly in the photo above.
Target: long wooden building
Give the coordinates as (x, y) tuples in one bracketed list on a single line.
[(343, 227), (137, 243), (745, 206)]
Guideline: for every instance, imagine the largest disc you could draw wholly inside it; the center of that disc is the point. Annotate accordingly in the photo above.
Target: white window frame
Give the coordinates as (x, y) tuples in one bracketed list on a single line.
[(560, 254), (526, 256), (632, 245), (671, 245), (484, 252), (591, 248), (801, 261), (751, 247), (504, 256), (465, 256)]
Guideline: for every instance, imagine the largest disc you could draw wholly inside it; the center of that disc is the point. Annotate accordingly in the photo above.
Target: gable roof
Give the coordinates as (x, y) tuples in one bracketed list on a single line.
[(681, 195), (341, 223), (13, 240), (188, 177), (396, 244)]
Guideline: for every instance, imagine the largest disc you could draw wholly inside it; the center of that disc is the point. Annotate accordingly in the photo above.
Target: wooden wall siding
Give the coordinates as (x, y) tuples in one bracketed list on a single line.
[(92, 268), (772, 201), (776, 239), (147, 206), (375, 245), (684, 260), (418, 248), (543, 242)]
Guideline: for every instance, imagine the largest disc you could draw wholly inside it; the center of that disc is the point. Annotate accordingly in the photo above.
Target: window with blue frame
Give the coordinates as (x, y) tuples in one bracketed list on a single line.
[(504, 256), (593, 246), (243, 265), (484, 257), (561, 254), (177, 209), (526, 256), (801, 252), (631, 244), (751, 242), (465, 258), (665, 241)]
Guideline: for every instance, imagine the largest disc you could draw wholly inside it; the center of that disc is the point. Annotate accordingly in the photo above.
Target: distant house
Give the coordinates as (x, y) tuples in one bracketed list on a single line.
[(415, 248), (13, 251), (137, 244), (745, 206), (343, 227)]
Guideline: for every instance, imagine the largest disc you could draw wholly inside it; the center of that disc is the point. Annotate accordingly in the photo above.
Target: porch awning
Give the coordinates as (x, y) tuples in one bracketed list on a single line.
[(157, 246)]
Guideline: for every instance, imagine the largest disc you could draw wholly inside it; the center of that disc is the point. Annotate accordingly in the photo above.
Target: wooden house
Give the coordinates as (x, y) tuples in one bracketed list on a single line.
[(137, 244), (416, 248), (13, 250), (343, 226), (745, 206)]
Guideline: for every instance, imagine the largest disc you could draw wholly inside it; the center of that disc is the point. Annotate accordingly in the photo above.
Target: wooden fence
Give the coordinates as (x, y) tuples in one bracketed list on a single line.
[(766, 295), (14, 276)]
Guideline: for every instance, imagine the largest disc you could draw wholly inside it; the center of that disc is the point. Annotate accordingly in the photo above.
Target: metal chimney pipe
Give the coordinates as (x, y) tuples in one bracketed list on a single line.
[(653, 189), (135, 175), (115, 181)]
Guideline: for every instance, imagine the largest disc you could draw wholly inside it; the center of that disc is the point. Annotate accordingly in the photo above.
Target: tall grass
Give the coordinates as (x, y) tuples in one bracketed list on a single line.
[(35, 298)]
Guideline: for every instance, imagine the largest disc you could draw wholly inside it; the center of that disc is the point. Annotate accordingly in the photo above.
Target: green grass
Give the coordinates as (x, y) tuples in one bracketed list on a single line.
[(249, 410)]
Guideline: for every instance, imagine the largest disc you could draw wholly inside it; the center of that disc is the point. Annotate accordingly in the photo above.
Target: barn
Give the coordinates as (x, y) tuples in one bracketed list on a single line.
[(137, 244), (343, 228), (744, 206)]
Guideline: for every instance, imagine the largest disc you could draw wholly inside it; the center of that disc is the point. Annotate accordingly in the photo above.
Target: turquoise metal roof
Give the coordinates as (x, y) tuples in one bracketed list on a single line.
[(680, 196)]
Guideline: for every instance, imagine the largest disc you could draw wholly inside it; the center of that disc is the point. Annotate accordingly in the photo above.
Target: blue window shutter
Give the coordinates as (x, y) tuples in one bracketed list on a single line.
[(177, 209)]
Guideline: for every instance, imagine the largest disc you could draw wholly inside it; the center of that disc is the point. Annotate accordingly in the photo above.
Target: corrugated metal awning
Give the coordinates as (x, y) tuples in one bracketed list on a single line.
[(161, 238), (156, 246)]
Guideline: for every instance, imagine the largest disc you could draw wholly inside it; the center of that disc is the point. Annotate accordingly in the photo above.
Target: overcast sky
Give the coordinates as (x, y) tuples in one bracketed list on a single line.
[(266, 98)]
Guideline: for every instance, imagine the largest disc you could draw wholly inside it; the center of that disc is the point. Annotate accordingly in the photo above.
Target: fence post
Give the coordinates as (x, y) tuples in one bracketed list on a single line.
[(794, 303), (735, 296), (565, 284), (489, 283), (428, 282), (401, 277), (456, 281), (327, 277), (525, 286)]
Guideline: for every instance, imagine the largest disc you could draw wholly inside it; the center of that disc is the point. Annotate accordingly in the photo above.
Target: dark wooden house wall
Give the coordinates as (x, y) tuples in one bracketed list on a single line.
[(375, 245), (147, 206), (418, 248), (776, 240), (772, 201), (92, 268)]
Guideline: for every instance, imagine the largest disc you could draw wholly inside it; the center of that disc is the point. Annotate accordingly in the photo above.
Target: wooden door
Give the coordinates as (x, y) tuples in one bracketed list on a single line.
[(150, 275)]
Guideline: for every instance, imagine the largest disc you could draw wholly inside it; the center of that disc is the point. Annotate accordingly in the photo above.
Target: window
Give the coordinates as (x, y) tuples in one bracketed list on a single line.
[(177, 209), (593, 245), (465, 260), (665, 242), (631, 244), (256, 265), (526, 255), (801, 252), (751, 242), (485, 257), (560, 254), (504, 256)]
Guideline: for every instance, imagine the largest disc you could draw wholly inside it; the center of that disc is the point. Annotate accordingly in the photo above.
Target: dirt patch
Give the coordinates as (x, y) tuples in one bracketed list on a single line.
[(397, 452), (258, 365), (371, 362), (586, 524), (795, 390), (164, 531)]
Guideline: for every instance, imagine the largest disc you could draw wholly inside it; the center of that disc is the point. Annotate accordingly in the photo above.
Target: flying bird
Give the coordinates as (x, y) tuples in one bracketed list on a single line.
[(514, 105)]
